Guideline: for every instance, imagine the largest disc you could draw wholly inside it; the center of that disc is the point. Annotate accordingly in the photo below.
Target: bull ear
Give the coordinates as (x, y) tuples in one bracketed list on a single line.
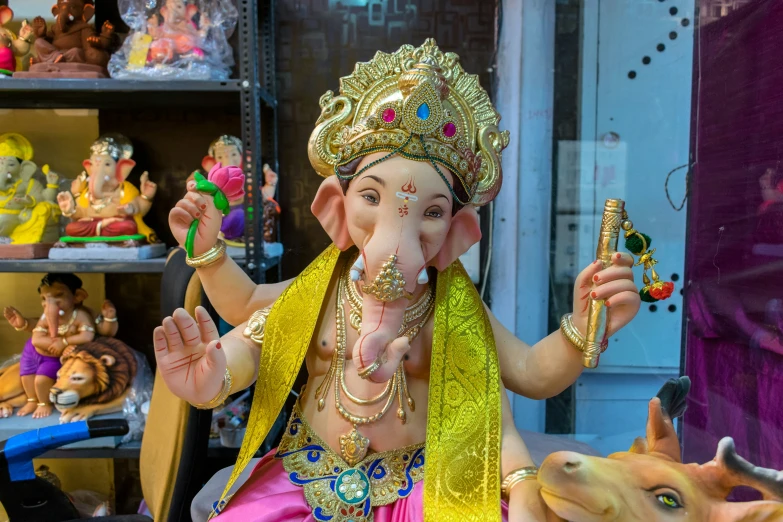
[(639, 446), (759, 511), (661, 437), (108, 360), (329, 208)]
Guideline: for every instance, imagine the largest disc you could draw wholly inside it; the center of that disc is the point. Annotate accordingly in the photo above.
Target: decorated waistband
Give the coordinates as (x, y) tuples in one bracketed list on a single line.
[(337, 492)]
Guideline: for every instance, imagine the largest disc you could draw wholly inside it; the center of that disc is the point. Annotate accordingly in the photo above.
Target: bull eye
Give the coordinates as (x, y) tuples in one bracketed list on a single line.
[(669, 500)]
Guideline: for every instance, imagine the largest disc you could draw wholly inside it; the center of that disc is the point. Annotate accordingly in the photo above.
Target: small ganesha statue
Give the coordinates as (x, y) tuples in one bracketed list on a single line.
[(227, 150), (28, 212), (102, 205)]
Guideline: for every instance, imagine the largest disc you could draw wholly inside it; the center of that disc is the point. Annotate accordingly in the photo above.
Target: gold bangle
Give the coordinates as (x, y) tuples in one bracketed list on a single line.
[(221, 396), (210, 257), (145, 198), (110, 319), (52, 186), (22, 329), (573, 336), (515, 477)]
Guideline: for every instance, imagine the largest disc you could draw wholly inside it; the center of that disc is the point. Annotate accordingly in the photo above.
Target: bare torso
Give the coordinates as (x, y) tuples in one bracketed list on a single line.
[(387, 433)]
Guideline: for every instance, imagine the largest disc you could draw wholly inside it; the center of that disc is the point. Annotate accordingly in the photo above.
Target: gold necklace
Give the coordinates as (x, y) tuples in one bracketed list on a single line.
[(354, 445), (63, 329), (412, 314)]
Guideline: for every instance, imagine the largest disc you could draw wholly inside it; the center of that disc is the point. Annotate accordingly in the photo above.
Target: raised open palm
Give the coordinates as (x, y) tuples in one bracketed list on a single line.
[(189, 356)]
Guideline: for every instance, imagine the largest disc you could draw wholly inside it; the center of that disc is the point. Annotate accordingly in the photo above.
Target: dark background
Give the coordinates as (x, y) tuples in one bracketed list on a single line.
[(319, 41)]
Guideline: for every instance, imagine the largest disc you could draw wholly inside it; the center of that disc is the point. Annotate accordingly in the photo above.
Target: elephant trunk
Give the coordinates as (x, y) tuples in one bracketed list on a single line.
[(63, 21), (388, 269), (52, 317)]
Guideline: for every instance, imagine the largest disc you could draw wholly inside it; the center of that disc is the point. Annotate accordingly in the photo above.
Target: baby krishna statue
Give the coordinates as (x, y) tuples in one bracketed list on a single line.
[(404, 415)]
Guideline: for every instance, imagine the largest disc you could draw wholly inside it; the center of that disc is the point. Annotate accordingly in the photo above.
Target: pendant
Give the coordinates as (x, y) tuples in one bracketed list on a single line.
[(353, 447)]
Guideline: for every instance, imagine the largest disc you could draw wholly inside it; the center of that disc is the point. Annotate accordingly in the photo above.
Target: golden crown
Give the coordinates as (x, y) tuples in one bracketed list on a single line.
[(420, 104)]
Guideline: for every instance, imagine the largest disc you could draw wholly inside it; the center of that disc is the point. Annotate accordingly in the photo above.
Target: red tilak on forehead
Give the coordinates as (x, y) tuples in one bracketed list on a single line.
[(409, 187)]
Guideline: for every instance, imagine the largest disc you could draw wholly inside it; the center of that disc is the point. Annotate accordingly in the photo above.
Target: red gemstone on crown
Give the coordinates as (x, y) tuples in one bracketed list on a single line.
[(449, 130), (389, 115)]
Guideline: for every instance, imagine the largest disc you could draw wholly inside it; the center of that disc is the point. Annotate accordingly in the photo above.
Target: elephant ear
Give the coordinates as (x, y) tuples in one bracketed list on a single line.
[(464, 232), (207, 163), (27, 170), (88, 13), (5, 14), (191, 11), (55, 11), (329, 208)]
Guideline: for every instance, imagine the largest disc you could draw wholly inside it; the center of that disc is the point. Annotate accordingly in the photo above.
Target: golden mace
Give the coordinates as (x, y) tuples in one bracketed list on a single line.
[(597, 313)]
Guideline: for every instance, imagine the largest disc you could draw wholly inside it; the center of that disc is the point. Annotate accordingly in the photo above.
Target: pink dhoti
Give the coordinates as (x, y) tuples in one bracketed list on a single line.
[(269, 496)]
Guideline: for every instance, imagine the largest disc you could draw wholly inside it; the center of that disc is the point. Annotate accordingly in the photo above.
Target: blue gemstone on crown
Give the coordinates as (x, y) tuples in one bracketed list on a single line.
[(423, 112)]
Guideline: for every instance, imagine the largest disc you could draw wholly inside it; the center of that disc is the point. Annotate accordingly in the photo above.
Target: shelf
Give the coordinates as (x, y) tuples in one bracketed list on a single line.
[(147, 266), (110, 93)]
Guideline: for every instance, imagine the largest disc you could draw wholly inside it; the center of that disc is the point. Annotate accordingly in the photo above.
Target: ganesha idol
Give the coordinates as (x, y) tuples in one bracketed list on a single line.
[(404, 415), (70, 47), (13, 49), (104, 208), (29, 216), (227, 151), (71, 362), (175, 34)]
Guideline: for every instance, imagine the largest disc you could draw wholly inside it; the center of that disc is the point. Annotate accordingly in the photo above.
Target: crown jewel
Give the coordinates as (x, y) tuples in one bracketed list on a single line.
[(420, 104), (116, 146)]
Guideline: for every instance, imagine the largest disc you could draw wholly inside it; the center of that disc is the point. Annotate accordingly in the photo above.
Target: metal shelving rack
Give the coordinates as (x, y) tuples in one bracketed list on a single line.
[(253, 90), (252, 93)]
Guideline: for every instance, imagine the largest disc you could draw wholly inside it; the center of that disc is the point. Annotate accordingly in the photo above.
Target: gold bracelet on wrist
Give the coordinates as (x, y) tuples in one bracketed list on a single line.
[(52, 186), (210, 257), (146, 198), (514, 478), (221, 396), (25, 327), (573, 336)]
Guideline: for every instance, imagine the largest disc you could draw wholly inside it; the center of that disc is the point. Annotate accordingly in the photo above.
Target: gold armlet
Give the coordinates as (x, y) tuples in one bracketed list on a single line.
[(210, 257), (222, 395), (22, 329), (515, 477), (256, 326), (573, 336), (52, 186)]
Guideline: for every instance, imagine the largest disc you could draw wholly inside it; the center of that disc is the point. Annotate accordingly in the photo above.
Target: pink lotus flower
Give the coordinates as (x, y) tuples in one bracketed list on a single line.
[(230, 180)]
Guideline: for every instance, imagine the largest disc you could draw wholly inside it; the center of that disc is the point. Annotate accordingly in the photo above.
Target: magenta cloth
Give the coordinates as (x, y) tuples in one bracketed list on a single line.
[(33, 363), (233, 226), (268, 496), (734, 254)]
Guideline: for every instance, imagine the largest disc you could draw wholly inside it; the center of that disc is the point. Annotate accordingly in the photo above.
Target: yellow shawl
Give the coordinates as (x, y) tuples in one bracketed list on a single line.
[(462, 473)]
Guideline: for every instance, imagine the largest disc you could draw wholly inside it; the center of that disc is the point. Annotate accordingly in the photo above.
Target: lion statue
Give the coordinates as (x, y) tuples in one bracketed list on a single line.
[(94, 379)]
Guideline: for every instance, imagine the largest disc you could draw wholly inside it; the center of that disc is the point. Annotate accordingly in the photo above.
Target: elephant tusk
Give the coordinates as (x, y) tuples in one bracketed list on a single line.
[(357, 268), (62, 313), (423, 278)]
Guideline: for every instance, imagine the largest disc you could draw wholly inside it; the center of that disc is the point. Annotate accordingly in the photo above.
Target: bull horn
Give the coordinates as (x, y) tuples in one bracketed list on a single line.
[(767, 481)]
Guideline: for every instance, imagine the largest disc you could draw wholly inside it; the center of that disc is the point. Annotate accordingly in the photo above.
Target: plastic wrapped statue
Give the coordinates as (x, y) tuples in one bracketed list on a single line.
[(28, 211), (227, 150), (13, 48), (404, 415), (102, 204), (177, 39), (70, 47), (65, 324), (649, 482)]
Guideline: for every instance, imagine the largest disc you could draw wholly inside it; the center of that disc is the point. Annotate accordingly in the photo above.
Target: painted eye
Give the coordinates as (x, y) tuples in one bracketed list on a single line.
[(372, 199), (670, 501), (434, 214)]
